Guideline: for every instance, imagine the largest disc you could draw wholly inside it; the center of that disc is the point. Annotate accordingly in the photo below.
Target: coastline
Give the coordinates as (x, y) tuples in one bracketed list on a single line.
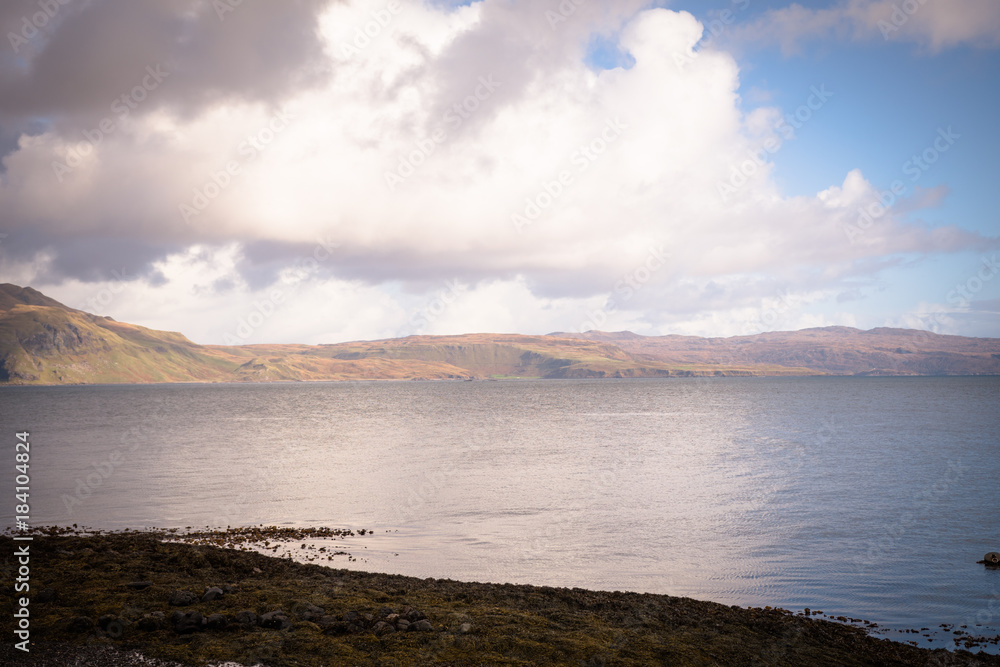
[(105, 594)]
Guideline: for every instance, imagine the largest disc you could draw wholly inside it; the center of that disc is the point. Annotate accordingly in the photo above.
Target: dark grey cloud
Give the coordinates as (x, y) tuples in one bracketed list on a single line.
[(89, 258), (262, 261), (66, 70), (94, 51)]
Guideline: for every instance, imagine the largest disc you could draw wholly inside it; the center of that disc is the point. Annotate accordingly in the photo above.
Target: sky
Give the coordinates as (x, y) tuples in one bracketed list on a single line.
[(318, 172)]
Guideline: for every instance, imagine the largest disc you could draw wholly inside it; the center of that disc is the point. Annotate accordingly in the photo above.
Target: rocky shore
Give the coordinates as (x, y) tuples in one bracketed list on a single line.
[(136, 599)]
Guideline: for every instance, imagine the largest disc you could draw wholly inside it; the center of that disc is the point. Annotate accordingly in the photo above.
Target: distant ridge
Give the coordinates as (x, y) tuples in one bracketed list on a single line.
[(835, 350), (45, 342)]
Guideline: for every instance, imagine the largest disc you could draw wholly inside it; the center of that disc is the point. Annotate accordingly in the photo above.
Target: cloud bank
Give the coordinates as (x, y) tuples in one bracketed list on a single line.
[(403, 168)]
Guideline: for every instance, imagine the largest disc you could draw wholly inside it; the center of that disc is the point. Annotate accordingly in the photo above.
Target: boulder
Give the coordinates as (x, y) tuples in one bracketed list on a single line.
[(421, 626), (308, 612), (212, 594), (216, 622), (182, 598), (246, 618), (190, 622), (150, 622), (275, 620), (382, 628)]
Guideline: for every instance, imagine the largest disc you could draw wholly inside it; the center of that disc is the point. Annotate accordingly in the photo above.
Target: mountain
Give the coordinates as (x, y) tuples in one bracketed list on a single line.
[(45, 342), (834, 350)]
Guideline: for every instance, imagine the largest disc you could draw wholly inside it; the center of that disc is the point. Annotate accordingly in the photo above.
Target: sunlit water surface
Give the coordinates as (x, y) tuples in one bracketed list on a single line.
[(863, 497)]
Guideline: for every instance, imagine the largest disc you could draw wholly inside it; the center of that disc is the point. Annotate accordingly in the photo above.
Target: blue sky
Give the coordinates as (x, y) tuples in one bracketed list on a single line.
[(407, 164)]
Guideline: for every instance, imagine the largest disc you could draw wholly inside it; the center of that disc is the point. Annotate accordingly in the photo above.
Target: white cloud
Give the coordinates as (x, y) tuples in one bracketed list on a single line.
[(643, 152)]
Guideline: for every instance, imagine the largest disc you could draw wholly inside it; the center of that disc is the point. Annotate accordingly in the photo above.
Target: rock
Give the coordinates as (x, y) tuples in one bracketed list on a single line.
[(308, 612), (150, 623), (352, 617), (384, 611), (103, 621), (382, 628), (175, 616), (421, 626), (246, 618), (182, 598), (212, 594), (336, 628), (115, 629), (216, 622), (275, 620), (190, 622), (139, 585), (402, 624), (81, 624), (45, 595), (465, 628)]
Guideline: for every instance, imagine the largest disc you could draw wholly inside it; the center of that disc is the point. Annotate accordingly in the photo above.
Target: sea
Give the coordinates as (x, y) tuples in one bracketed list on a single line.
[(869, 498)]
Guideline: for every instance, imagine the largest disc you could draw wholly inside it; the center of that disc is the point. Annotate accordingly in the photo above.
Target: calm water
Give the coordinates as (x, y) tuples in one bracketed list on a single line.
[(867, 497)]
